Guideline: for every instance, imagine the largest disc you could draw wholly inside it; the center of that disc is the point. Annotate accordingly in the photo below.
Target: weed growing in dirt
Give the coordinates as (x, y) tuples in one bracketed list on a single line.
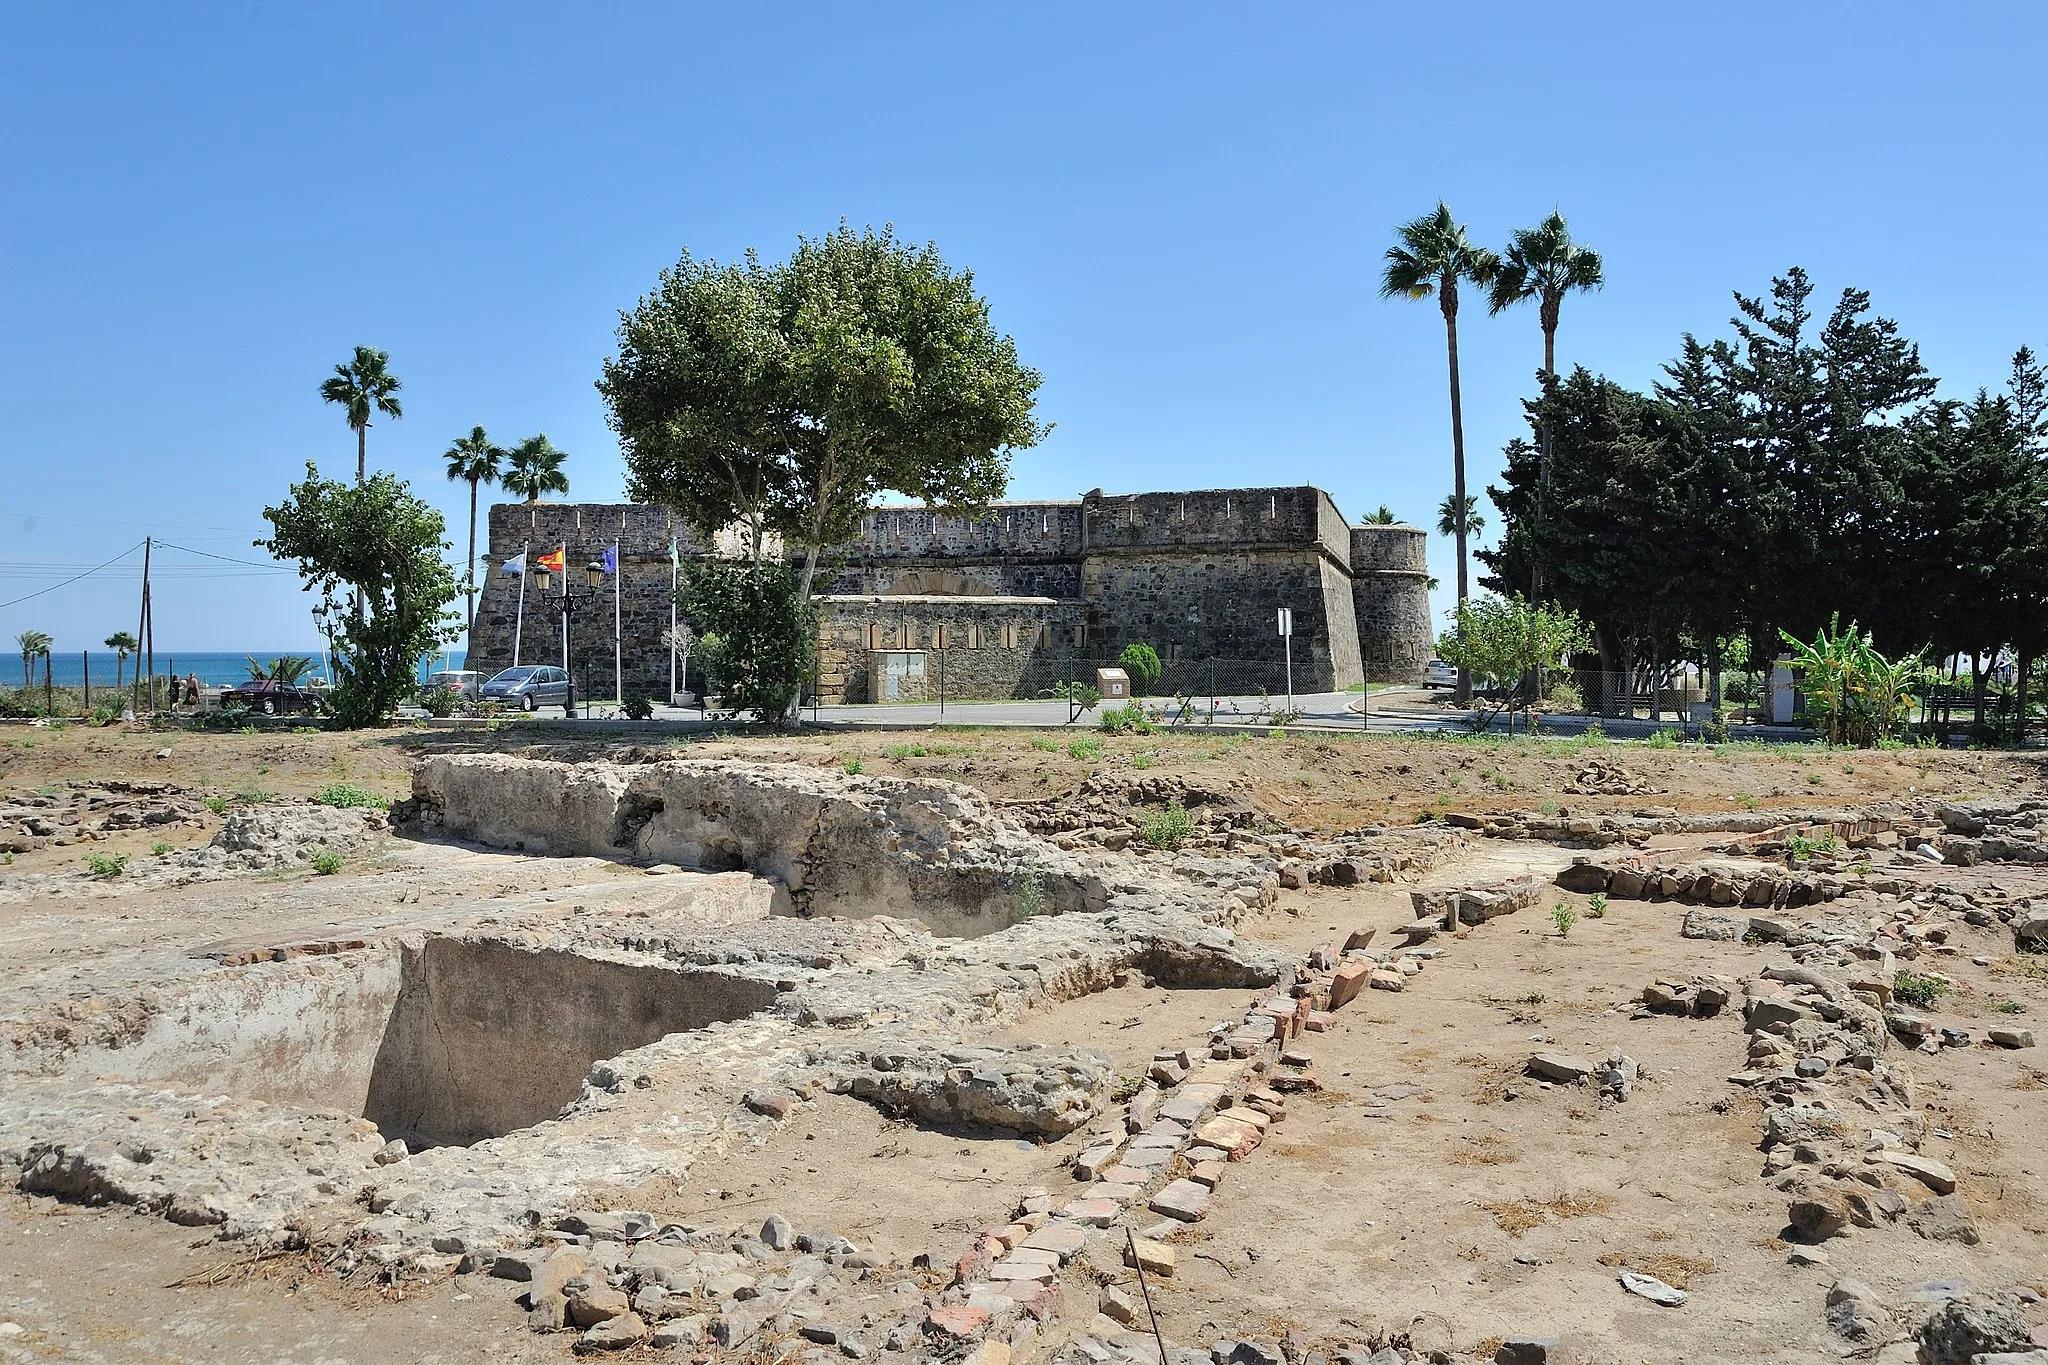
[(1088, 748), (852, 766), (1745, 799), (1813, 779), (1125, 720), (899, 752), (105, 865), (1596, 905), (343, 795), (1546, 807), (1031, 893), (1804, 848), (1044, 745), (217, 804), (1917, 990), (1142, 761), (249, 794), (1660, 739), (326, 864), (2009, 1007), (1564, 917), (1126, 1087), (159, 850), (1169, 828)]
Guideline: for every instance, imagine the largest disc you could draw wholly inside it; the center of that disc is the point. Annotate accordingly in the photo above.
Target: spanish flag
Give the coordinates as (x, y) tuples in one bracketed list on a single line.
[(552, 562)]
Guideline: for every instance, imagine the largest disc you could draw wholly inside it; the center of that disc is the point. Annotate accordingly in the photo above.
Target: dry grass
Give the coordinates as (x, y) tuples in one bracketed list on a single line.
[(1483, 1151), (1495, 1082), (1676, 1271), (2030, 1079), (1517, 1216)]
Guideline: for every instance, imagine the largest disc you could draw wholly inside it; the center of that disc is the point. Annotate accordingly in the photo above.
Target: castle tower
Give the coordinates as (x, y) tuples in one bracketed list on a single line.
[(1390, 592)]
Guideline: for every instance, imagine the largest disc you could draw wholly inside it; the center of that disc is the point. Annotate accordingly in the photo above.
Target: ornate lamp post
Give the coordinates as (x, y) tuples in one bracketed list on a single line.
[(569, 601)]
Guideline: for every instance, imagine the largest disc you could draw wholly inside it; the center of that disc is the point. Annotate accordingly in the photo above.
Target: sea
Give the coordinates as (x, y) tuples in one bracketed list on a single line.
[(68, 669)]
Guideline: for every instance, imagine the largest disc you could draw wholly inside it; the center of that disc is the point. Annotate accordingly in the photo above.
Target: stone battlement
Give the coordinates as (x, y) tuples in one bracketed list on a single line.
[(1024, 594)]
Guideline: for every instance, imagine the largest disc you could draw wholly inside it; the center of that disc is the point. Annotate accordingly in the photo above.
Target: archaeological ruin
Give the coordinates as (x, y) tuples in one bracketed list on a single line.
[(1028, 595)]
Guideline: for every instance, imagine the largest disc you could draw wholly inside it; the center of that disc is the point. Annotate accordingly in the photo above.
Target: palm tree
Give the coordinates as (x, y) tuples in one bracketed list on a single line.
[(474, 460), (1383, 517), (123, 644), (285, 669), (1545, 264), (34, 644), (1447, 518), (1432, 257), (363, 386), (534, 467)]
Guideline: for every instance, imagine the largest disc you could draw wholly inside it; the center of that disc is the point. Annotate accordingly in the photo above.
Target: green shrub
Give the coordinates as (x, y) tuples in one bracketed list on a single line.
[(344, 795), (1564, 917), (217, 804), (1565, 696), (1919, 991), (326, 864), (639, 708), (1168, 829), (1031, 892), (438, 701), (1596, 905), (1087, 748), (852, 766), (158, 850), (105, 865), (1044, 745), (1141, 662), (1660, 739), (1125, 720), (903, 751)]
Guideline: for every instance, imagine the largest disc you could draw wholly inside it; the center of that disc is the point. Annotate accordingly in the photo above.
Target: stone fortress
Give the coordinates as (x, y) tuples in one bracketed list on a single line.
[(1008, 603)]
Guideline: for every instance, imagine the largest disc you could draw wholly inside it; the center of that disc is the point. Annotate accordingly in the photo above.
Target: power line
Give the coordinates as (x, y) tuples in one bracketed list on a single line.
[(75, 577), (254, 564)]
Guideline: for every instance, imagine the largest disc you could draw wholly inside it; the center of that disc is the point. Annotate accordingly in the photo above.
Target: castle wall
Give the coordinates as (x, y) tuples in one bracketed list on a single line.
[(992, 646), (1390, 591), (1197, 575)]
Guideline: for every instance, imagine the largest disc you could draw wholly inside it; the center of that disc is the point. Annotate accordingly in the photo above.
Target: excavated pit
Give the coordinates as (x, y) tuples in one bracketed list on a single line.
[(442, 1043)]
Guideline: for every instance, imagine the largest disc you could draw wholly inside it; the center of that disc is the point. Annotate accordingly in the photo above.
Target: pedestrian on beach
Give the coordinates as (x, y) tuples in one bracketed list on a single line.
[(192, 689)]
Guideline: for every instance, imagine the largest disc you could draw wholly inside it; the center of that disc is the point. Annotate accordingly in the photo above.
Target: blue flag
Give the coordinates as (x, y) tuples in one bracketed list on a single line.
[(516, 564), (611, 557)]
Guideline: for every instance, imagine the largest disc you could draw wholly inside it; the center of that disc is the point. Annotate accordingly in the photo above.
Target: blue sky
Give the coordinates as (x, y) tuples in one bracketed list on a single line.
[(1178, 211)]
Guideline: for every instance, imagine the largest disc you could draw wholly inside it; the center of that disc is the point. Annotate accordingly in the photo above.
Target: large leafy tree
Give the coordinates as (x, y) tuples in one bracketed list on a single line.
[(473, 460), (385, 546), (364, 387), (533, 468), (751, 620), (788, 397), (1433, 257)]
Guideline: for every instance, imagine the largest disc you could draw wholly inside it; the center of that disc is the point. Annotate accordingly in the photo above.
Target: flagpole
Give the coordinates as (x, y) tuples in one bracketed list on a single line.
[(671, 616), (562, 554), (618, 626), (519, 617)]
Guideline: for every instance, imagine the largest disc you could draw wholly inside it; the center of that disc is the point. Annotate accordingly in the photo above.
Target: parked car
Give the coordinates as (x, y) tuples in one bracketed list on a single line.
[(272, 697), (463, 682), (1437, 673), (529, 687)]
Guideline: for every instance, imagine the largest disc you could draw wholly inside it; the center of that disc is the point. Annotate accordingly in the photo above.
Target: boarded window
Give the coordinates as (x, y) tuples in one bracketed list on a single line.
[(1010, 635), (874, 636)]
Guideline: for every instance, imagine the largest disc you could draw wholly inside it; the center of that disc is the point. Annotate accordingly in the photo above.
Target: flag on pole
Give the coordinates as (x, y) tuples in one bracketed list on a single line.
[(674, 556), (516, 564), (611, 557), (552, 561)]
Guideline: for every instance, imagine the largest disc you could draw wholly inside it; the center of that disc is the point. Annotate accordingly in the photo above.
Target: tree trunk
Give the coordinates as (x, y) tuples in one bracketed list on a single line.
[(2025, 661), (1449, 299), (472, 563), (1604, 643), (362, 451), (1979, 681)]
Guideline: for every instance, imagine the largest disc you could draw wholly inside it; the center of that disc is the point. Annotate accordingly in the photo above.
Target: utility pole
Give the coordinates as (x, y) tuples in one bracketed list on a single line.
[(142, 627)]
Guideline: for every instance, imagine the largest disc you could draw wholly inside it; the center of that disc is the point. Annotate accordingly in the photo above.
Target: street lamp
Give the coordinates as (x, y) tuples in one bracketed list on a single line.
[(593, 574)]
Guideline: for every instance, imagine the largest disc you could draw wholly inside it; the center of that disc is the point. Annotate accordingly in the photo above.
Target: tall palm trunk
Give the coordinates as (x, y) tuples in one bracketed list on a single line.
[(1447, 295), (362, 452), (472, 557)]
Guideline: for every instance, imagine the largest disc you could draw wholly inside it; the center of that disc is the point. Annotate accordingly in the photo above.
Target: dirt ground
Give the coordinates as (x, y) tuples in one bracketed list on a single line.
[(1432, 1190), (1312, 783)]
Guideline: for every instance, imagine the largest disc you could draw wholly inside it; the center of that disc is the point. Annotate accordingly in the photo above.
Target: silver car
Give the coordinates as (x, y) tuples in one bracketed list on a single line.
[(463, 682), (529, 687), (1437, 673)]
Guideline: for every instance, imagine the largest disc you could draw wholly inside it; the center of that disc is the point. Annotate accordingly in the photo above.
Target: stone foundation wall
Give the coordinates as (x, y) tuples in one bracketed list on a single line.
[(991, 647)]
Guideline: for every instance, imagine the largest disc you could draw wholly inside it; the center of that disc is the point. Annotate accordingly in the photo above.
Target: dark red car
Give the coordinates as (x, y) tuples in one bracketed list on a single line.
[(272, 697)]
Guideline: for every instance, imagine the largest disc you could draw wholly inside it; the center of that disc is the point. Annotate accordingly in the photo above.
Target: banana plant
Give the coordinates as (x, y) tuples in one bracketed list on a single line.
[(1854, 695)]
